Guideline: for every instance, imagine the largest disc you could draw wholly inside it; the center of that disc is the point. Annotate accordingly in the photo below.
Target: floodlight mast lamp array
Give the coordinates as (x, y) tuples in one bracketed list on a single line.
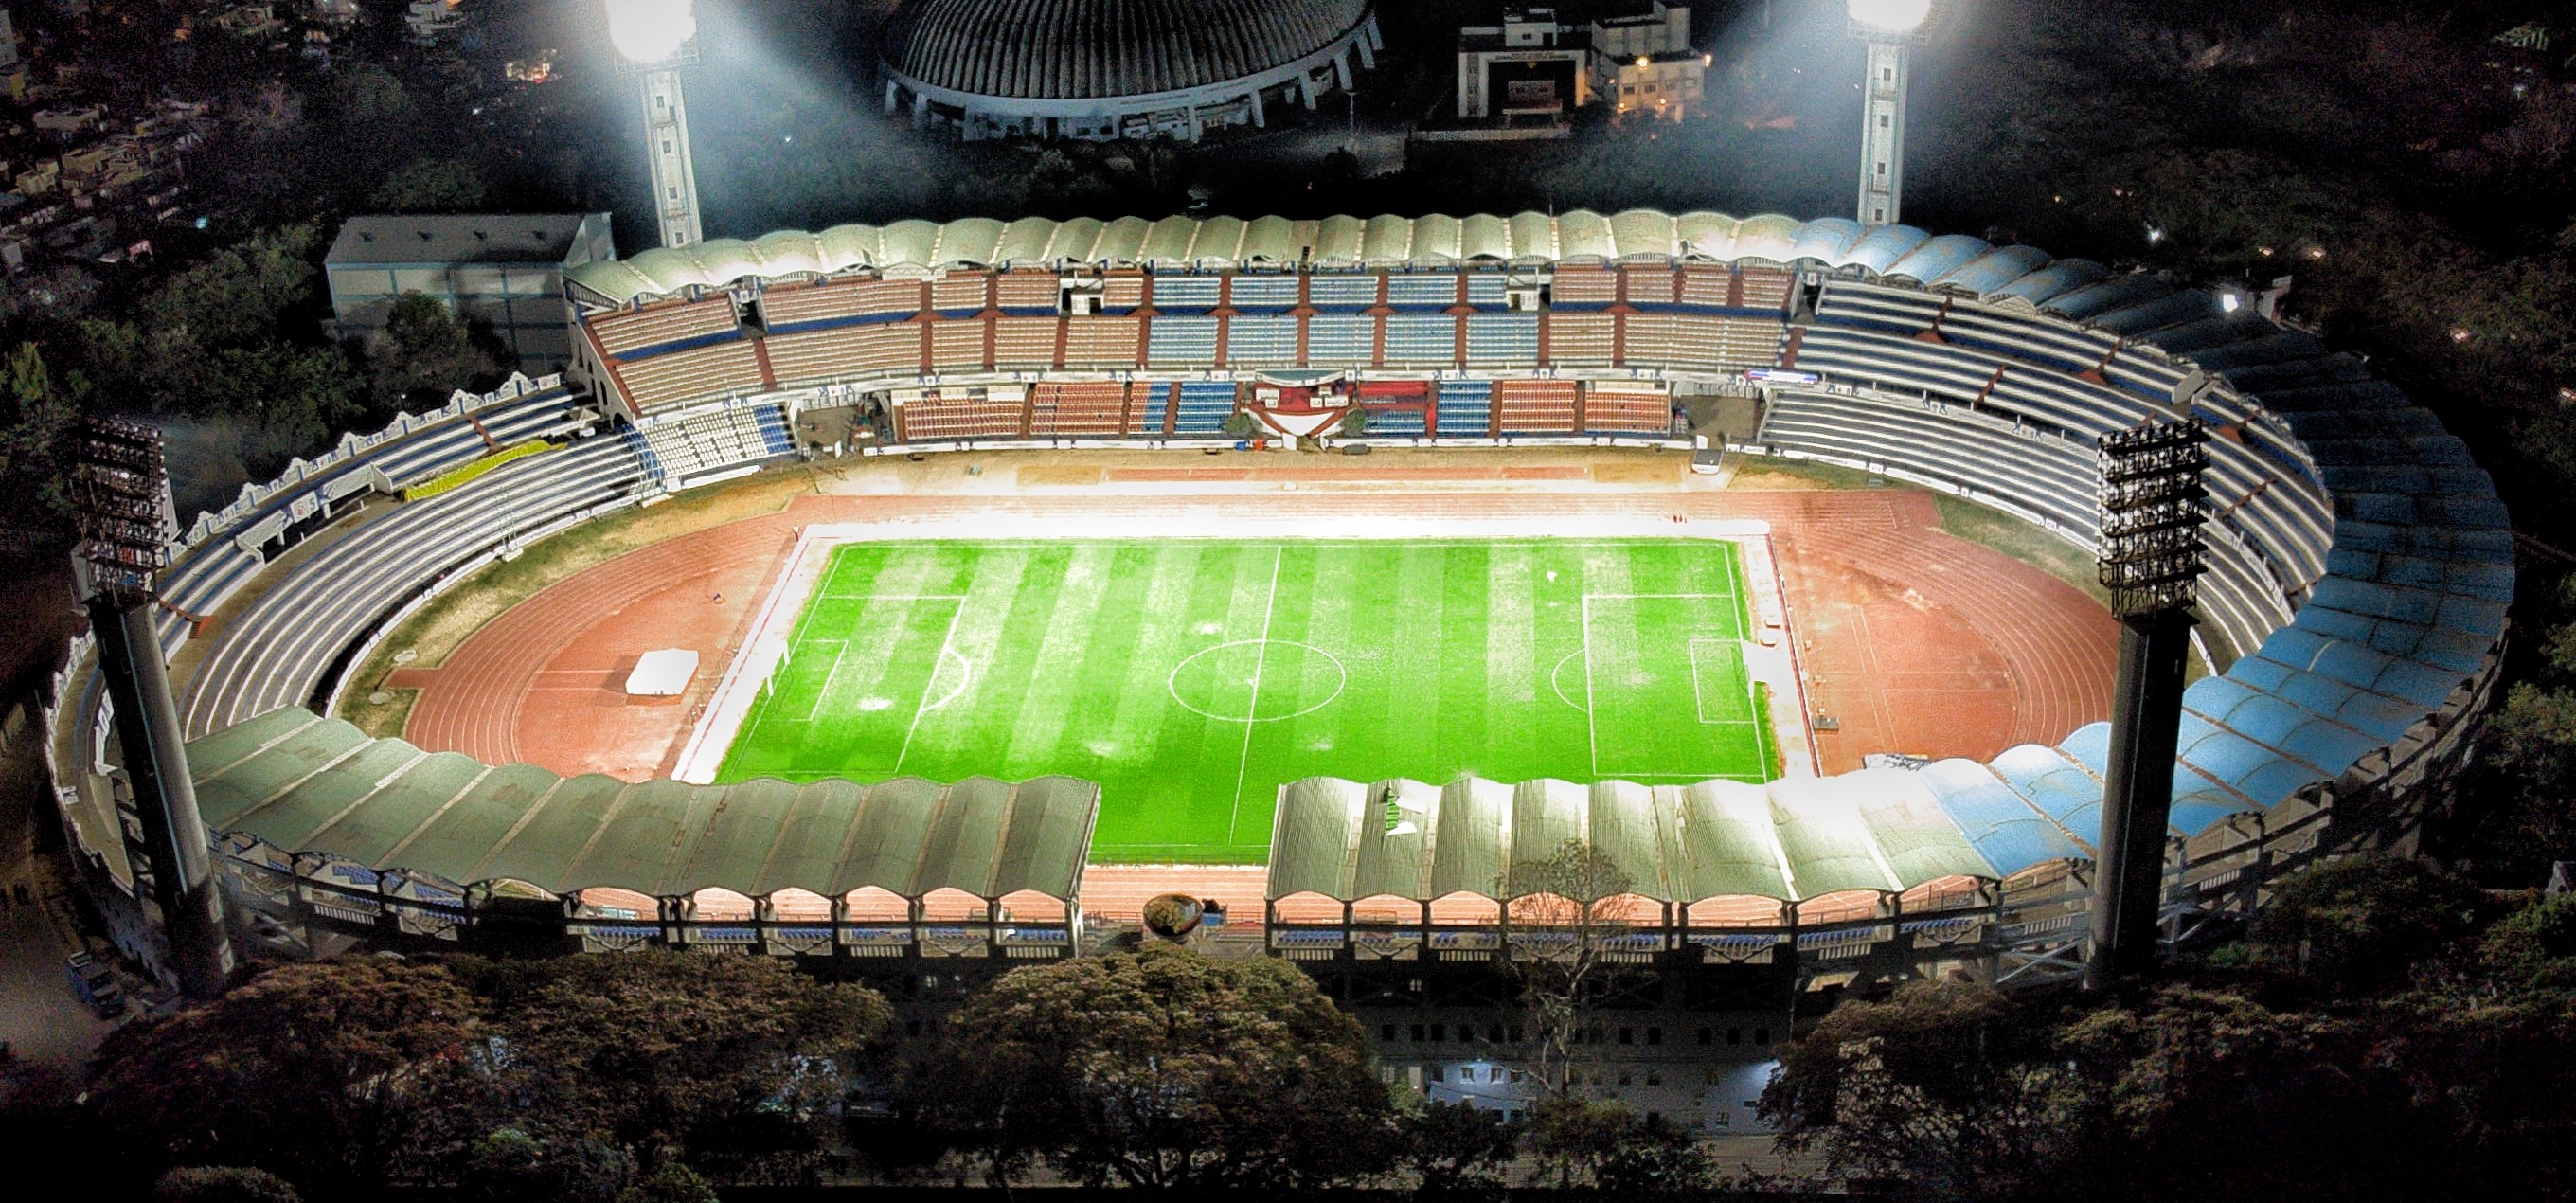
[(655, 39), (1890, 27), (2153, 502), (121, 496)]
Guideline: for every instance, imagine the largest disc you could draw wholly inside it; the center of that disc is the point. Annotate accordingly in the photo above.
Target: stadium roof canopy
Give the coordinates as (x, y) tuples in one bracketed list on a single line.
[(1898, 253), (312, 785), (1097, 49), (1879, 829)]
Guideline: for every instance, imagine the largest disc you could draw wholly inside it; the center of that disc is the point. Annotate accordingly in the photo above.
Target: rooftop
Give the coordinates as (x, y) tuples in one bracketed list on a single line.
[(457, 238)]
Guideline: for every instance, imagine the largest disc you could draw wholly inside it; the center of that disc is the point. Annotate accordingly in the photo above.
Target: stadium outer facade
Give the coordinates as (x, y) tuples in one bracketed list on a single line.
[(2361, 571), (1104, 69)]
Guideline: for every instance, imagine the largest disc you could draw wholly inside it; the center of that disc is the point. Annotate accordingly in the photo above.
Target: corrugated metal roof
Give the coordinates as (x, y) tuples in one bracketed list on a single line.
[(1091, 49), (1790, 840), (306, 784)]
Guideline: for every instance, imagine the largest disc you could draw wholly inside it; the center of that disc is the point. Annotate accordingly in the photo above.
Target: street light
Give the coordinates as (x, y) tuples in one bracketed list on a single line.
[(1889, 26), (655, 39)]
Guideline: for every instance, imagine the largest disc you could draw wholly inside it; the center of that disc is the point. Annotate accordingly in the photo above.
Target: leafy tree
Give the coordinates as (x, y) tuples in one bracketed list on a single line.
[(1457, 1147), (1944, 1087), (35, 417), (1163, 1068), (723, 1058), (2199, 1094), (1572, 896), (223, 1184), (430, 186), (1593, 1143), (337, 1074), (2533, 949), (424, 354), (510, 1166), (2359, 927), (671, 1182)]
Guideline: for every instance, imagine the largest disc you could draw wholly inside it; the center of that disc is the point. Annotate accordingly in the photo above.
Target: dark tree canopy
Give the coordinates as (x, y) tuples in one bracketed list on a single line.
[(1165, 1068)]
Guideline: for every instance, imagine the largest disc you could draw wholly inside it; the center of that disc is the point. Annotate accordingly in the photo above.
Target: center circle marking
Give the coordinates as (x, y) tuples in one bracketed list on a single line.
[(1172, 683)]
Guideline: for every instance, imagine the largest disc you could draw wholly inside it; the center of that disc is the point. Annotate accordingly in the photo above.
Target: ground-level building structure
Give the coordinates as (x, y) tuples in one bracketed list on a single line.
[(1106, 69), (1535, 63), (502, 270)]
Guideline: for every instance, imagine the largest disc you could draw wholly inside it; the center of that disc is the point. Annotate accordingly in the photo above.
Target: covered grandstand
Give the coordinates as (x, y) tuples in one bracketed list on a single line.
[(981, 868), (1104, 69), (2361, 564)]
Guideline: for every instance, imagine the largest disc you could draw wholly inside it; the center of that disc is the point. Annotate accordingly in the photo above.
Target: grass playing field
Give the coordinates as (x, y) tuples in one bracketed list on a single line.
[(1190, 678)]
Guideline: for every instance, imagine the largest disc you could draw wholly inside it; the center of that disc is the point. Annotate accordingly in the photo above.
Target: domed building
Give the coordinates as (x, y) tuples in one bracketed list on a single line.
[(1105, 69)]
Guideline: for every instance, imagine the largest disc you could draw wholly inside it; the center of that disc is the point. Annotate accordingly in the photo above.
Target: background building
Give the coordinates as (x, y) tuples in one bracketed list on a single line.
[(1105, 69), (1536, 61), (502, 270)]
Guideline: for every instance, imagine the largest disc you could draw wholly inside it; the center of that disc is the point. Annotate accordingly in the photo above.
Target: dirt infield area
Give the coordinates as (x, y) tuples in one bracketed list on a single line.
[(1912, 640)]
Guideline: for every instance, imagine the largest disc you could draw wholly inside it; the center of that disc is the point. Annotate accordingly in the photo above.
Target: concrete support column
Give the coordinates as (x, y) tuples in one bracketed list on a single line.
[(1342, 67), (894, 96), (1260, 118)]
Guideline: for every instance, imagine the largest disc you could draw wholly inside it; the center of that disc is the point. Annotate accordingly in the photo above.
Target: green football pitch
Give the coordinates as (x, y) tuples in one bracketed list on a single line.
[(1191, 678)]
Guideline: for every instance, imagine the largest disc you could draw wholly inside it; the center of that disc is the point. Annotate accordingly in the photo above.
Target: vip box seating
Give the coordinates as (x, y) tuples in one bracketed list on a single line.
[(937, 415), (1091, 409)]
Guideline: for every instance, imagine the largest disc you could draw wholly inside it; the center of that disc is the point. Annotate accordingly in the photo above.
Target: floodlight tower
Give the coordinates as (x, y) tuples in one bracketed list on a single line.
[(655, 39), (2153, 502), (121, 493), (1890, 27)]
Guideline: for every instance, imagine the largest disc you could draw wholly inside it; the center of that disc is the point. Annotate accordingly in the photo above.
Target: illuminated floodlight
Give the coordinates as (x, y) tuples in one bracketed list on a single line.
[(1894, 16), (649, 31)]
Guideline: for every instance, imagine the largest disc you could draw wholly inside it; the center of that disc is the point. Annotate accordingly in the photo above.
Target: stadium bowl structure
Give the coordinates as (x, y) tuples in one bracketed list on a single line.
[(2361, 574)]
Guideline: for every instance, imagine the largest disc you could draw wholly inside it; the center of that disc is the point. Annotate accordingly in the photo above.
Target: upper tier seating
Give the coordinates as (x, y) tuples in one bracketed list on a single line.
[(667, 326), (724, 370)]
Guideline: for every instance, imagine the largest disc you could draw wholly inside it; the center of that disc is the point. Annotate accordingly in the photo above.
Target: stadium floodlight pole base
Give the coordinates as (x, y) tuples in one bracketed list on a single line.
[(2137, 796), (181, 869)]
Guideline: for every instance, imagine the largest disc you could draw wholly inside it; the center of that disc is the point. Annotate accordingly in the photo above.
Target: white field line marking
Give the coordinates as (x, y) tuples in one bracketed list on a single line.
[(1591, 694), (1591, 713), (924, 707), (965, 676), (823, 693), (1260, 658)]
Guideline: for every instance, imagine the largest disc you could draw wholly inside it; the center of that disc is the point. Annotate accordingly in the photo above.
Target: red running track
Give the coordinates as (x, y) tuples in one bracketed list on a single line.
[(1915, 641)]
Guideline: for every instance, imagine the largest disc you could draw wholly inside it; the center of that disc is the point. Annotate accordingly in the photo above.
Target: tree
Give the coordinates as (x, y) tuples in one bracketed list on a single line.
[(1945, 1087), (223, 1184), (1570, 901), (2359, 927), (423, 355), (2208, 1094), (1163, 1068), (734, 1061), (35, 417), (1457, 1147), (671, 1182), (430, 186), (510, 1166), (1603, 1145), (337, 1075)]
